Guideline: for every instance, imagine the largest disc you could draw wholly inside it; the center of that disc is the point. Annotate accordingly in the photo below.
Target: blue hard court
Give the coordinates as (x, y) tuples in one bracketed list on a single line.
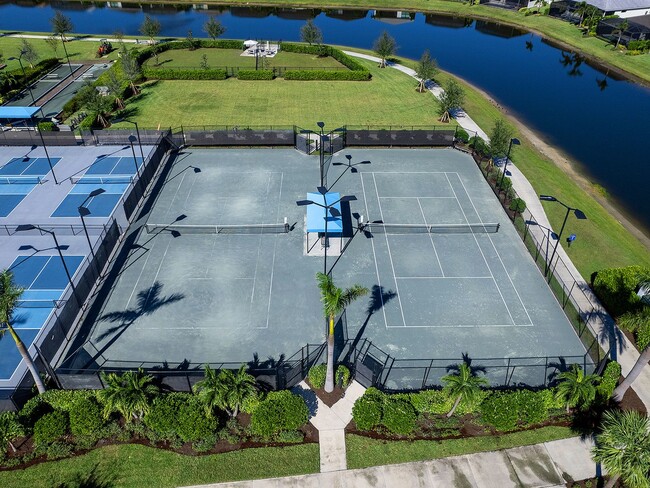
[(99, 206), (114, 166), (44, 281), (28, 166)]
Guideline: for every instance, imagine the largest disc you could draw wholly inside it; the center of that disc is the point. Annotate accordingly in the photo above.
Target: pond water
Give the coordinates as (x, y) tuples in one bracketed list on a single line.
[(597, 119)]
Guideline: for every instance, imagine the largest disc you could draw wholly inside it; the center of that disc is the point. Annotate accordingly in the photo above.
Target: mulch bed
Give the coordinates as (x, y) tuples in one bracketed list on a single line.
[(631, 401), (328, 399)]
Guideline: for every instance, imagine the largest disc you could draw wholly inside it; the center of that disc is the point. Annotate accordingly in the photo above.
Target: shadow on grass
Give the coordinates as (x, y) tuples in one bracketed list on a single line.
[(94, 479)]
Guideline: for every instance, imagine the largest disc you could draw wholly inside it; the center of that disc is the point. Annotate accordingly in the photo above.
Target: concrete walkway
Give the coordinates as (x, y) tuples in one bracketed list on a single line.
[(601, 324), (551, 464)]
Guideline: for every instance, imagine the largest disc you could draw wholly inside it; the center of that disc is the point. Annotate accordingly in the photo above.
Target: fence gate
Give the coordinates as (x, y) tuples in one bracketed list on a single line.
[(368, 369)]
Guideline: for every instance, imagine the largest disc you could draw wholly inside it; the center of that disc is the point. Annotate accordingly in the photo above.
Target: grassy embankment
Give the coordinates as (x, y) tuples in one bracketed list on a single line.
[(136, 466), (363, 452)]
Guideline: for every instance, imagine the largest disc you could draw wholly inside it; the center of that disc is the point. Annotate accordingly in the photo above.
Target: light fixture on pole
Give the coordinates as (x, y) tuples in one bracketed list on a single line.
[(85, 212), (549, 235), (516, 142), (321, 153), (329, 210), (137, 131), (579, 214), (349, 166), (27, 227)]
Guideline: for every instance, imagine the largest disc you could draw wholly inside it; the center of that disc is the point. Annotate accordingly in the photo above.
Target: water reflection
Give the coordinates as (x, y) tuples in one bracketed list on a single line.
[(344, 14), (573, 61), (393, 17), (448, 21), (498, 30)]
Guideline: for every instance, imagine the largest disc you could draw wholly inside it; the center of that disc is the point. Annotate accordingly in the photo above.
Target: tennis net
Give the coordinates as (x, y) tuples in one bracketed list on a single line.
[(219, 229), (24, 180), (381, 228), (101, 180)]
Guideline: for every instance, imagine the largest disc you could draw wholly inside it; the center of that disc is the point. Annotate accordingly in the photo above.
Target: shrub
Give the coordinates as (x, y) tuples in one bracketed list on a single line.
[(58, 450), (65, 400), (205, 444), (342, 376), (479, 145), (399, 416), (250, 403), (462, 135), (317, 375), (33, 410), (252, 74), (367, 410), (290, 436), (500, 411), (550, 399), (517, 205), (531, 407), (85, 417), (193, 424), (183, 74), (616, 288), (162, 417), (324, 75), (47, 126), (281, 410), (505, 184), (431, 401), (50, 427), (609, 380)]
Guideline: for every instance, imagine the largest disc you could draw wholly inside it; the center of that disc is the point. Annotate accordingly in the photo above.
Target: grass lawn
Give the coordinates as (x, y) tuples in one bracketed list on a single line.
[(363, 452), (390, 98), (136, 466), (219, 58), (77, 50)]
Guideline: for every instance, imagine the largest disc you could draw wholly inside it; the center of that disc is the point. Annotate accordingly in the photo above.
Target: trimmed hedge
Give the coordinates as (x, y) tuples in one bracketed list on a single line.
[(315, 75), (367, 410), (251, 74), (616, 288), (86, 417), (399, 416), (342, 376), (280, 411), (500, 411), (180, 415), (184, 74), (317, 375), (50, 427), (609, 380)]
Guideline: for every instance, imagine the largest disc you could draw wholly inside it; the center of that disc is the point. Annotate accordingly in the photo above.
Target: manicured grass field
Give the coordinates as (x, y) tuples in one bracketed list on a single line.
[(77, 50), (363, 452), (135, 466), (390, 98), (219, 58)]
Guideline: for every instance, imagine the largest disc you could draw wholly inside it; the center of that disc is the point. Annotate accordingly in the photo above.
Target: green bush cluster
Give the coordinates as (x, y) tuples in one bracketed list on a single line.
[(50, 427), (46, 126), (324, 75), (616, 288), (342, 376), (367, 410), (358, 71), (183, 74), (462, 135), (180, 415), (479, 145), (398, 416), (279, 411), (252, 74), (640, 46), (508, 410), (86, 417), (317, 375), (609, 380)]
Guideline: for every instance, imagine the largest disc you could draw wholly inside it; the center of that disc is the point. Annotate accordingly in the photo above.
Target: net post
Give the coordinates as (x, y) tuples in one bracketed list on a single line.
[(286, 224)]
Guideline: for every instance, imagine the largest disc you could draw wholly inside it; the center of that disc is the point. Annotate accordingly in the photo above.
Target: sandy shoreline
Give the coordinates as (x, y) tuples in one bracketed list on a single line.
[(570, 169)]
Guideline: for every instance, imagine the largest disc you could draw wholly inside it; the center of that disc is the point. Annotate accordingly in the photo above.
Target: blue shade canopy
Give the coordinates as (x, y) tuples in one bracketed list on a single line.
[(316, 215), (9, 112)]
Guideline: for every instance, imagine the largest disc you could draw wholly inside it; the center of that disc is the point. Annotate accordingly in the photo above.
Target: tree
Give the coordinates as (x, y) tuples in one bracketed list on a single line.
[(385, 47), (204, 62), (28, 52), (150, 28), (10, 429), (500, 139), (582, 10), (213, 28), (639, 323), (426, 69), (226, 390), (464, 384), (623, 448), (189, 41), (95, 102), (9, 296), (518, 206), (451, 99), (53, 43), (335, 300), (130, 394), (114, 85), (575, 388), (622, 27), (130, 68), (310, 33), (61, 25)]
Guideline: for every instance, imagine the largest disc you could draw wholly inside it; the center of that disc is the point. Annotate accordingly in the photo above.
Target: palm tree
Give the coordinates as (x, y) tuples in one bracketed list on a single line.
[(575, 388), (226, 390), (622, 27), (9, 296), (623, 448), (335, 300), (464, 384), (130, 394)]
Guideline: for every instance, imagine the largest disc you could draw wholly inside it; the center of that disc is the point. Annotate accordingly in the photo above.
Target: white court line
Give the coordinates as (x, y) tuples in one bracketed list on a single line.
[(40, 272), (431, 239), (443, 277), (419, 198), (453, 326), (275, 245), (381, 214), (497, 253), (374, 254), (481, 250)]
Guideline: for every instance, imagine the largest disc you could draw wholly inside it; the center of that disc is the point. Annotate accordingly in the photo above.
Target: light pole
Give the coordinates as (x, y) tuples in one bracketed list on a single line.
[(84, 212), (137, 131), (321, 152), (577, 212), (20, 61), (516, 142), (27, 227), (348, 166), (329, 209), (549, 234)]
